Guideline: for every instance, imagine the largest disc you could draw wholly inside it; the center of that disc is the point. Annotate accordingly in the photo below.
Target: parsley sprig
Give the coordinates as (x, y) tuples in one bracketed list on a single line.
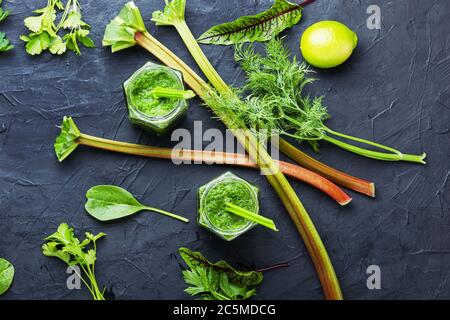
[(64, 245), (45, 31), (5, 44)]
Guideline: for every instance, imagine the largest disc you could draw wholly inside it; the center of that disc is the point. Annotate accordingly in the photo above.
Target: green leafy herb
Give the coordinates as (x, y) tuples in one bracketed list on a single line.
[(261, 27), (217, 281), (45, 30), (6, 275), (5, 44), (246, 214), (107, 203), (65, 246), (3, 13), (279, 105)]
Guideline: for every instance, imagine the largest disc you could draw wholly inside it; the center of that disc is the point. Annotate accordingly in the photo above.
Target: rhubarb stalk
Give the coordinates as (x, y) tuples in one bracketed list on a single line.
[(339, 177), (71, 137)]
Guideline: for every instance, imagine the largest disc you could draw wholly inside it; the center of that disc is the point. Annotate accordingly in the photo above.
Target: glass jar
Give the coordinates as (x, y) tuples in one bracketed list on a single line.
[(156, 124), (226, 188)]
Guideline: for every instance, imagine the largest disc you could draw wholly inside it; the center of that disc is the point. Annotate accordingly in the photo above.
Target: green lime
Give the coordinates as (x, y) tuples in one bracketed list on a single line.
[(327, 44)]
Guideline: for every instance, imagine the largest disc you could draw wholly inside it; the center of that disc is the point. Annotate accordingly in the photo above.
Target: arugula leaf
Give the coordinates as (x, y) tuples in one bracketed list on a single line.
[(217, 281), (65, 246), (6, 274), (107, 203), (260, 27)]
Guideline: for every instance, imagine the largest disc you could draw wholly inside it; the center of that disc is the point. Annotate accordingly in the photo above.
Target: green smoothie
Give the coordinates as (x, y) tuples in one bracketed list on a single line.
[(235, 192), (142, 99)]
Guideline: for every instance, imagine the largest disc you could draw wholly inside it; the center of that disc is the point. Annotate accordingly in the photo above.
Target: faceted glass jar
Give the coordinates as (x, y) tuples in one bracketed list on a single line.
[(159, 124), (203, 218)]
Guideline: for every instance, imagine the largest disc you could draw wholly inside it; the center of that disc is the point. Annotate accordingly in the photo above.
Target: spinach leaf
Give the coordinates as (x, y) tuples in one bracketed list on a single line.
[(107, 203), (6, 275), (261, 27)]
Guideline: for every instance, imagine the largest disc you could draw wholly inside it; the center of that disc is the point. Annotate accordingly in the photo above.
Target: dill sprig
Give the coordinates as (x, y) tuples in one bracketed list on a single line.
[(277, 103)]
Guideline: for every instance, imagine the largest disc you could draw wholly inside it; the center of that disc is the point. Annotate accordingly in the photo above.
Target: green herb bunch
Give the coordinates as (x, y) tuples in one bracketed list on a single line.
[(5, 44), (277, 103), (45, 30), (65, 246), (217, 281)]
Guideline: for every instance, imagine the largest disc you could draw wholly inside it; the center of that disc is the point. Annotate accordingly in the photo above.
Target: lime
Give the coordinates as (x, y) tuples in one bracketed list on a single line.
[(327, 44)]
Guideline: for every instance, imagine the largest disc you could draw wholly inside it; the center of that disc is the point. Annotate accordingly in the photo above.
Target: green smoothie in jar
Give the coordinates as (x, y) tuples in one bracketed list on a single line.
[(212, 209), (157, 115)]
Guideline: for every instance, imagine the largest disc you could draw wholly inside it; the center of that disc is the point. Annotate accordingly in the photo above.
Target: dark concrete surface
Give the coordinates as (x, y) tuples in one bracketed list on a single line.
[(395, 89)]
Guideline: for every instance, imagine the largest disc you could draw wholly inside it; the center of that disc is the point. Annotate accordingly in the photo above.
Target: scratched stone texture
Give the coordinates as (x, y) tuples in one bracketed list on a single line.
[(395, 89)]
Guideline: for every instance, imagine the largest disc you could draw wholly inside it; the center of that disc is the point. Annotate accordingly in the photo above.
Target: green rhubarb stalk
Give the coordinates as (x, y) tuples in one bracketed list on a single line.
[(127, 30), (173, 15), (246, 214), (170, 93)]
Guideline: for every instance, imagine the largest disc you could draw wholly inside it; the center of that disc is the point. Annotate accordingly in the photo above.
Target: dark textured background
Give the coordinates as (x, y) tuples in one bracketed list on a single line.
[(395, 90)]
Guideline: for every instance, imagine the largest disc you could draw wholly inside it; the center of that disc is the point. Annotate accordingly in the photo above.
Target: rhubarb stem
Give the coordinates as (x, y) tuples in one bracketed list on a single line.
[(291, 170), (339, 177)]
